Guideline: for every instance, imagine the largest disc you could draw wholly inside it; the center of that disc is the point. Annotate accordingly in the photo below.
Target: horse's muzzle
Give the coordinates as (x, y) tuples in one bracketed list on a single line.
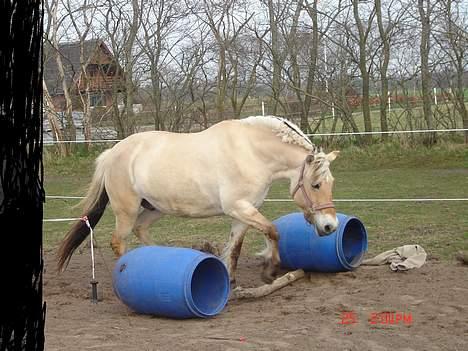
[(322, 229)]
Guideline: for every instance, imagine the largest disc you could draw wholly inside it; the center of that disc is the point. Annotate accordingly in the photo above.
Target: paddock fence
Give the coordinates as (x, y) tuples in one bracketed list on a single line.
[(274, 200)]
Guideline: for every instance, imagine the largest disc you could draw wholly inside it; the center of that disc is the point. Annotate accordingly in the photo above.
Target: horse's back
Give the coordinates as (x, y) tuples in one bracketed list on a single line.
[(175, 172), (188, 173), (218, 138)]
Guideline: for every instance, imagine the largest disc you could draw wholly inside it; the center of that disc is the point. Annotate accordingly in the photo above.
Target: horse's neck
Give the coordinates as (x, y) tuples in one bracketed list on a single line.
[(292, 168), (286, 161)]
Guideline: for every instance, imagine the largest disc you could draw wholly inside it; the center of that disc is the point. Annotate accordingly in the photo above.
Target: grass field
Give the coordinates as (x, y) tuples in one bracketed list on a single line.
[(378, 171), (399, 117)]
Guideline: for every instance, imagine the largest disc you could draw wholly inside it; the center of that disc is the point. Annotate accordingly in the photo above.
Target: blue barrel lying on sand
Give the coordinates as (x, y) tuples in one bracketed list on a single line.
[(300, 246), (172, 282)]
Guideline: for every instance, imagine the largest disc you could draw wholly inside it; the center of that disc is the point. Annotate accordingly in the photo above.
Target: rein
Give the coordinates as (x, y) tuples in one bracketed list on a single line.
[(310, 204)]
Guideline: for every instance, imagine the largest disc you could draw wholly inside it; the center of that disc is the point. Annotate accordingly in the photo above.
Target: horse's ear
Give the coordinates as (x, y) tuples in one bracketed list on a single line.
[(332, 155), (309, 159)]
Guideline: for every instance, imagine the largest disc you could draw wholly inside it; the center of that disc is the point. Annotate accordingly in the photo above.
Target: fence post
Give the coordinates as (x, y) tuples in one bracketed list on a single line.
[(389, 104), (263, 108)]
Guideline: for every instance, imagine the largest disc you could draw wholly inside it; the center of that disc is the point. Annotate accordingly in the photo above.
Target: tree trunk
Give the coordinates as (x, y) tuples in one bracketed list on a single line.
[(461, 99), (221, 81), (70, 129), (295, 78), (426, 79), (384, 36), (458, 58), (365, 101), (49, 110), (312, 66), (363, 69), (276, 79), (85, 95)]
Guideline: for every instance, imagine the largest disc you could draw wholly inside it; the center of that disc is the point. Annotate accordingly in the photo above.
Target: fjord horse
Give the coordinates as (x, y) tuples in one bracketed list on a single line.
[(226, 169)]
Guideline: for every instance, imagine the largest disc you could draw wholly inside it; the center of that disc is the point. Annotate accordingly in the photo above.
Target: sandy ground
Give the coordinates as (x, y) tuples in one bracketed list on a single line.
[(344, 311)]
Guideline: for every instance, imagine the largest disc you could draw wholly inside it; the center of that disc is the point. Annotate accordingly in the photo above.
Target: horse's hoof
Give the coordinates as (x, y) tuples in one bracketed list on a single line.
[(267, 278), (270, 271)]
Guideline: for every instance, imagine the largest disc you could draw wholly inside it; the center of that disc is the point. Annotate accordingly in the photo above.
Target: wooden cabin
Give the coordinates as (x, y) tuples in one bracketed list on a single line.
[(103, 74)]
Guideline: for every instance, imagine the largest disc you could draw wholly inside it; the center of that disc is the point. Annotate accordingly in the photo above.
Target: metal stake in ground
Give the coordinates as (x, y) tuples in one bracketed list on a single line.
[(94, 282)]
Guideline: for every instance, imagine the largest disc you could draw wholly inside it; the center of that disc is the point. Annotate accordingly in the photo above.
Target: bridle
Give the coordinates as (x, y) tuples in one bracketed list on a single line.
[(310, 204)]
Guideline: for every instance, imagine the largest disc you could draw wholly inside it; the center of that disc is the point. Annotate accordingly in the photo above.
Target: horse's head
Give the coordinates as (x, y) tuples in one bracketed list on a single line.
[(313, 192)]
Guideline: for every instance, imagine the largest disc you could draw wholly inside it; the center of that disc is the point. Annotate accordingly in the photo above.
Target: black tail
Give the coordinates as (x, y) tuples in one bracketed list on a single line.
[(80, 231)]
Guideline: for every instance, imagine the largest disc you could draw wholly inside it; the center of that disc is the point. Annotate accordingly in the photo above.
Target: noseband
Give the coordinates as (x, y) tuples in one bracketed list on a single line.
[(309, 203)]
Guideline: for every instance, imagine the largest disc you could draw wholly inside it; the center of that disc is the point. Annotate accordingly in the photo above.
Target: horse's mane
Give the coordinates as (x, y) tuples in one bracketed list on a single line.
[(290, 133), (286, 130)]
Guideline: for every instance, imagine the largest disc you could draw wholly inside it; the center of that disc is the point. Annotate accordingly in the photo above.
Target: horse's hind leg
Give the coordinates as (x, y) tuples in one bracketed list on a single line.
[(124, 223), (126, 206), (143, 222), (232, 249)]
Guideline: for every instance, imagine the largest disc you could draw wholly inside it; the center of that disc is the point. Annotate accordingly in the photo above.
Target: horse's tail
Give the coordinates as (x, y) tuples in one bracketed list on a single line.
[(93, 206)]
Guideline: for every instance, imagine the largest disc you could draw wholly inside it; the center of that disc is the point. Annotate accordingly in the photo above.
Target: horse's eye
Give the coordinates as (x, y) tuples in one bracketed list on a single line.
[(316, 186)]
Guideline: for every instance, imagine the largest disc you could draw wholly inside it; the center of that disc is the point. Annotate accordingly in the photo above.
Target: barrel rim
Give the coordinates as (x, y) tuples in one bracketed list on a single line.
[(356, 262), (192, 306)]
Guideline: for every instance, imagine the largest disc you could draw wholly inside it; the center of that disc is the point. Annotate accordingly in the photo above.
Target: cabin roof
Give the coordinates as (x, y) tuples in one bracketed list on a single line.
[(70, 53)]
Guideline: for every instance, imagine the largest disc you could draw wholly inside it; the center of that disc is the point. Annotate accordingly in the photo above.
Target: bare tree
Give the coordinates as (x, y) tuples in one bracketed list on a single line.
[(294, 37), (178, 81), (389, 28), (425, 8), (364, 62), (49, 108), (244, 57), (452, 37), (293, 47), (353, 34), (278, 55), (228, 22), (342, 69), (81, 16), (201, 86), (161, 33), (122, 22), (52, 117), (54, 25)]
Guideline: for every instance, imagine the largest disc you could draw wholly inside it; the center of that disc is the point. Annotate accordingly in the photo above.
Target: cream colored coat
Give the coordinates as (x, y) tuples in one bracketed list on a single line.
[(225, 169)]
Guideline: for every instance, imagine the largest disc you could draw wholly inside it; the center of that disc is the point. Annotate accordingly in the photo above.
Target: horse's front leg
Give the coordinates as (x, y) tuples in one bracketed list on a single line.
[(248, 214), (233, 247)]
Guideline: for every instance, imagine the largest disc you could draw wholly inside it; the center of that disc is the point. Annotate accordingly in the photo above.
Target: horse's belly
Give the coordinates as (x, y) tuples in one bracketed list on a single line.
[(187, 208), (193, 214)]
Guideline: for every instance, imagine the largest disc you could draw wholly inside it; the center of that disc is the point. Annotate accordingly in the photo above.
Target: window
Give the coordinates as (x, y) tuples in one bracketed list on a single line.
[(96, 99)]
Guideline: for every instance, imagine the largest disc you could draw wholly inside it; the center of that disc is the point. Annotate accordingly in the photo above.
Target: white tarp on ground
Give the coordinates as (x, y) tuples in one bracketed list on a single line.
[(400, 258)]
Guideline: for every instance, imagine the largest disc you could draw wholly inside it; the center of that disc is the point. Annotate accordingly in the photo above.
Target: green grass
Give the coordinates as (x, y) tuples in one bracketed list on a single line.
[(398, 119), (378, 171)]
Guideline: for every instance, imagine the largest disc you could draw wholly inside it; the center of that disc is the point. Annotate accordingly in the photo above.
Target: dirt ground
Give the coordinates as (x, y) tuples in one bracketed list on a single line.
[(344, 311)]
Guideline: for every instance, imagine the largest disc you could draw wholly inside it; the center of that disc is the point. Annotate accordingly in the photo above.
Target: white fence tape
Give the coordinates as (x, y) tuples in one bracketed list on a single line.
[(61, 219), (379, 200), (393, 132), (279, 200), (335, 200)]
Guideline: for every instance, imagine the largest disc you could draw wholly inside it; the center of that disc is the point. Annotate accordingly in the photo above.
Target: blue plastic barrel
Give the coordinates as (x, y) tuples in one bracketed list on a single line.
[(300, 246), (171, 282)]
